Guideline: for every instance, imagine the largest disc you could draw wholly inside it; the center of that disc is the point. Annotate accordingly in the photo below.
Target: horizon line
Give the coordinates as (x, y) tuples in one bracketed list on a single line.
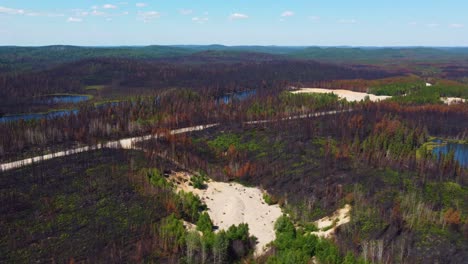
[(241, 45)]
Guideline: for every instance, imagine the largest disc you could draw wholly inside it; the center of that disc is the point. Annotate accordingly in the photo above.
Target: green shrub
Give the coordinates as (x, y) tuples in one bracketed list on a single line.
[(269, 199), (157, 179), (198, 180), (189, 205), (204, 224)]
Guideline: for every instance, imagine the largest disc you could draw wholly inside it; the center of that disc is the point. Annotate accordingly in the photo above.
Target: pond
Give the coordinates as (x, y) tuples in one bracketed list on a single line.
[(460, 150), (227, 98), (56, 99), (62, 99), (34, 116)]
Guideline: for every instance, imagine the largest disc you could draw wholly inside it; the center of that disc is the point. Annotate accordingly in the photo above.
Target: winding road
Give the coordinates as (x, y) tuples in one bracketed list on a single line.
[(130, 143)]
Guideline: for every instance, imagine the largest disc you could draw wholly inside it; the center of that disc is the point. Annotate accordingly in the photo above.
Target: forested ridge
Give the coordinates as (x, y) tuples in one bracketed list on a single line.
[(14, 59)]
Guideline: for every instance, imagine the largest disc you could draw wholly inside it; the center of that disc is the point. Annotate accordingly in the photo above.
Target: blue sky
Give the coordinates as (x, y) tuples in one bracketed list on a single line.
[(235, 22)]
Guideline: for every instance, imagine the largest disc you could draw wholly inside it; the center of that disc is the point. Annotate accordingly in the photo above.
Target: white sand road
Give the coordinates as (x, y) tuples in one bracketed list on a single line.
[(350, 96), (126, 143), (233, 204), (130, 143)]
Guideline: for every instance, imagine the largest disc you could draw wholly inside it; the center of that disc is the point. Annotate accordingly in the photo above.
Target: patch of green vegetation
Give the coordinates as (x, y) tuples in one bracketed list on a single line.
[(446, 194), (198, 180), (326, 145), (366, 221), (259, 109), (204, 223), (189, 205), (313, 100), (416, 92), (310, 227), (396, 89), (223, 142), (95, 87), (157, 179), (270, 200), (104, 102), (172, 229), (298, 245)]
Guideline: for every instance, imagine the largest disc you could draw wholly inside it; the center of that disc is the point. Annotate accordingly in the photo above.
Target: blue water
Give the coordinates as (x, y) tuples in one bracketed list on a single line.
[(80, 98), (461, 151), (34, 116), (236, 96), (62, 99)]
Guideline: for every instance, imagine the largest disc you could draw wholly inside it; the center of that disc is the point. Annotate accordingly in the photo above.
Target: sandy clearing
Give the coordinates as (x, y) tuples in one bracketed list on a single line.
[(452, 100), (341, 217), (351, 96), (232, 204)]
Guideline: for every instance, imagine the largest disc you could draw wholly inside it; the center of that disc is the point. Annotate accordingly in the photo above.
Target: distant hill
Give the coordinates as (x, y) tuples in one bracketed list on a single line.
[(379, 55), (14, 59), (32, 58)]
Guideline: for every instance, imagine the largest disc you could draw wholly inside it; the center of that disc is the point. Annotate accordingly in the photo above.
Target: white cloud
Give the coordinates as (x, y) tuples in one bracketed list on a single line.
[(97, 13), (11, 11), (287, 14), (238, 16), (147, 16), (141, 4), (200, 20), (109, 6), (456, 25), (185, 12), (347, 21), (314, 18), (74, 20), (432, 25), (125, 13)]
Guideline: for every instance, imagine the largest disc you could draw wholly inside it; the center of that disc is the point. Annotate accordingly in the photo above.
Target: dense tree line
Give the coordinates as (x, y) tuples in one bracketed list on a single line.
[(219, 77)]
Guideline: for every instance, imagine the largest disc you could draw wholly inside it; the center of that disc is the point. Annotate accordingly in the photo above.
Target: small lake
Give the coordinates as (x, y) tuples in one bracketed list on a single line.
[(460, 150), (236, 96), (62, 99), (34, 116)]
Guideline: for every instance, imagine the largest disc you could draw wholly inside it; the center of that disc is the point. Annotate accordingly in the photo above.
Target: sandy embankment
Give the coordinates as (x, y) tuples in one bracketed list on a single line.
[(339, 217), (351, 96), (452, 100), (232, 204)]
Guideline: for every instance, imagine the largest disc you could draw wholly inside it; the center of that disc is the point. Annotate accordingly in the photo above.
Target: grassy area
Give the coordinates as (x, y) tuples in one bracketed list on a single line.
[(416, 91), (95, 87)]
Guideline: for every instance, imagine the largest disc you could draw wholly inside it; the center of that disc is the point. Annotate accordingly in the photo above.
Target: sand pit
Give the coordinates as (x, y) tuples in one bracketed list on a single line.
[(328, 225), (351, 96), (232, 204), (452, 100)]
